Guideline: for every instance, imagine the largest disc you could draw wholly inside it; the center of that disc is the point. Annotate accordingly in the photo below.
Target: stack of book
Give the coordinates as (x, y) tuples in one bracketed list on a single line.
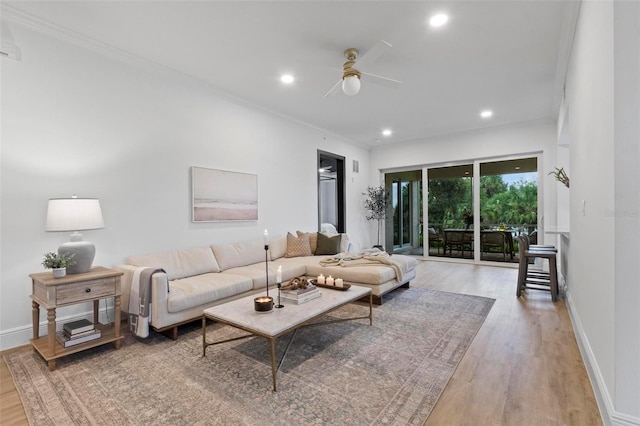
[(76, 332), (300, 295)]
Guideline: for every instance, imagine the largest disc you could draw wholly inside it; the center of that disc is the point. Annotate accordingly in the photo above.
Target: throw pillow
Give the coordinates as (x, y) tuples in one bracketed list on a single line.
[(313, 239), (345, 243), (298, 246), (328, 245)]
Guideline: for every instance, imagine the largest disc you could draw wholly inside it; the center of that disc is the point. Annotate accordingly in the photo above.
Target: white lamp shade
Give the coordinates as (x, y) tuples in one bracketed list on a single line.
[(74, 214), (351, 85)]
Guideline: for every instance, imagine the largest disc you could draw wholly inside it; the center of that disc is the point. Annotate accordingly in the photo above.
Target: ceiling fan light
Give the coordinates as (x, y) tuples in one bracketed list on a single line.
[(351, 85)]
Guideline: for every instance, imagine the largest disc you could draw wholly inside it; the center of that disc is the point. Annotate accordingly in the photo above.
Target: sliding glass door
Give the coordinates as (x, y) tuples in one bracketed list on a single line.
[(478, 219), (508, 206), (404, 228), (450, 211)]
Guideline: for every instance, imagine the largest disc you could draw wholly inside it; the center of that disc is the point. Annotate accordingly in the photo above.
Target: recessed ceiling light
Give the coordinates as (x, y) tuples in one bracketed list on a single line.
[(438, 20), (386, 132), (286, 78), (517, 167), (486, 113)]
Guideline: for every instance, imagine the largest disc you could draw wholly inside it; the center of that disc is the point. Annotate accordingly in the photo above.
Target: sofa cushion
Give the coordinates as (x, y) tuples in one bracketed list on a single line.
[(206, 288), (298, 246), (313, 239), (278, 247), (370, 274), (239, 254), (257, 273), (180, 263), (328, 245)]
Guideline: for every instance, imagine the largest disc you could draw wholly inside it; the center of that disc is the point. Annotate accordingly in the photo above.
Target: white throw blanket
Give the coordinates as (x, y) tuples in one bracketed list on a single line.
[(140, 300), (366, 258)]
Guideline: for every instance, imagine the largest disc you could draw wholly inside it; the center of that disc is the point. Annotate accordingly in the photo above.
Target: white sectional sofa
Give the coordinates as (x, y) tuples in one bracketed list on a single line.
[(198, 278)]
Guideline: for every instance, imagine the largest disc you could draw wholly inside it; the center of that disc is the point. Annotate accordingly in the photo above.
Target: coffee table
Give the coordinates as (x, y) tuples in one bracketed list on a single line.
[(240, 314)]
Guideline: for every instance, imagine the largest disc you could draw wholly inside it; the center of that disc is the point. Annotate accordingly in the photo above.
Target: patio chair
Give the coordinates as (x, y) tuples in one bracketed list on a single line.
[(494, 240), (436, 239)]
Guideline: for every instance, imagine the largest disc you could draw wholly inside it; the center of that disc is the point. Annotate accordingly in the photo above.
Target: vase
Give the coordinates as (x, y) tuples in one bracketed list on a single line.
[(59, 272)]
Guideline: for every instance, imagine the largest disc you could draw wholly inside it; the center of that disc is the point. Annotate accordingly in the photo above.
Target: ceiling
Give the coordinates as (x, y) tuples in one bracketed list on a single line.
[(507, 56)]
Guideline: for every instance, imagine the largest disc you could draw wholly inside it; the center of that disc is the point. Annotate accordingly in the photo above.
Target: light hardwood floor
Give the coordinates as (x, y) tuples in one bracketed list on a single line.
[(523, 367)]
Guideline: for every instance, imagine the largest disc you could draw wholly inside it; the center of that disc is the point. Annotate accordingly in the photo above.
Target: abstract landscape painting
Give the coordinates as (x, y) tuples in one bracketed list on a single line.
[(220, 195)]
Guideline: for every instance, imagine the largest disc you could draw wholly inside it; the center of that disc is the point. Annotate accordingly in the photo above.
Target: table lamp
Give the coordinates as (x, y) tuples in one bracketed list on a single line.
[(75, 214)]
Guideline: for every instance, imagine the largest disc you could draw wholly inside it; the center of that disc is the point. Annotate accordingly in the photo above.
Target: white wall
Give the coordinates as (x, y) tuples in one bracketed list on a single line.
[(603, 96), (76, 120), (627, 206), (516, 139)]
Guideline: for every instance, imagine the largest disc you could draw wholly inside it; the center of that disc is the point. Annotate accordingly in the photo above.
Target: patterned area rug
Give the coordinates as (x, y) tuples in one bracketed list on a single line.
[(346, 373)]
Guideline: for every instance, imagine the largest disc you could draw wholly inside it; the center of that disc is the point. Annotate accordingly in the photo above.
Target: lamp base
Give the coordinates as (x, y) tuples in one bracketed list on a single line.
[(84, 253)]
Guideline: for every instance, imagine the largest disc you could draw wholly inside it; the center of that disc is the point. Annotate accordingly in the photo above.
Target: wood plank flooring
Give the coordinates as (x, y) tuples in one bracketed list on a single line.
[(523, 367)]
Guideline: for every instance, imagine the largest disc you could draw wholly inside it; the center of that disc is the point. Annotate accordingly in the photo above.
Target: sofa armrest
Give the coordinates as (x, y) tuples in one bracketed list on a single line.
[(159, 288)]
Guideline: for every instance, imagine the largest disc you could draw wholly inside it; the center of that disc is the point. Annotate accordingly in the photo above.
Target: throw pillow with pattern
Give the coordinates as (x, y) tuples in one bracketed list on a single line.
[(313, 239), (298, 246)]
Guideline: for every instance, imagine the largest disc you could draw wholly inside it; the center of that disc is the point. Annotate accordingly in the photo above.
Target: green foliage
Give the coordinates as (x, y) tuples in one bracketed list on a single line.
[(54, 260), (518, 205), (450, 199), (561, 176)]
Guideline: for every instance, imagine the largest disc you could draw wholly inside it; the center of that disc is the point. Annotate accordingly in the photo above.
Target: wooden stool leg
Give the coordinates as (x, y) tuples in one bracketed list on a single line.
[(553, 277), (522, 273)]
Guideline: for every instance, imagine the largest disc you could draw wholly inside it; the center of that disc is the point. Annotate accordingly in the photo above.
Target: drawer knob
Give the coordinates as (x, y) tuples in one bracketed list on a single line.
[(88, 290)]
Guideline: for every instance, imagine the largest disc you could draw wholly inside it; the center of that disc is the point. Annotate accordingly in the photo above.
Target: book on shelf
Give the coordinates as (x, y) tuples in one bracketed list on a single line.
[(300, 298), (79, 326), (78, 335), (67, 342)]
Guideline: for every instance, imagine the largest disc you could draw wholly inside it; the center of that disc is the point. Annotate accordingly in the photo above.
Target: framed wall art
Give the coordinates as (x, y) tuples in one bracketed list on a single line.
[(222, 196)]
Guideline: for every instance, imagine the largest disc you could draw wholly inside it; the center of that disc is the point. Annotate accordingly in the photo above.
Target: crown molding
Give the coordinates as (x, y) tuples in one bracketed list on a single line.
[(572, 11), (11, 14)]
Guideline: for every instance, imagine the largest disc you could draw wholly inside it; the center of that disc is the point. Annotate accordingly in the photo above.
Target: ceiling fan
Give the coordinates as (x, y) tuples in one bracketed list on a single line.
[(350, 81)]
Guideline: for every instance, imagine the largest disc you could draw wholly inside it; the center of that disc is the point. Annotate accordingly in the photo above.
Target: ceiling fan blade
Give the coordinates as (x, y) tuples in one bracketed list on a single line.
[(334, 89), (373, 54), (382, 81)]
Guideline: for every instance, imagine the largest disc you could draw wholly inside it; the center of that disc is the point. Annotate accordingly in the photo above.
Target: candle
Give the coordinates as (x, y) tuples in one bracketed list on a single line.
[(279, 275), (263, 304), (330, 280), (320, 279), (339, 282), (266, 237)]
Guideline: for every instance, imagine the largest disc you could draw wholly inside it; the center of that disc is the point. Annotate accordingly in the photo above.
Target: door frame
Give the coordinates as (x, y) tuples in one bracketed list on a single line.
[(340, 188)]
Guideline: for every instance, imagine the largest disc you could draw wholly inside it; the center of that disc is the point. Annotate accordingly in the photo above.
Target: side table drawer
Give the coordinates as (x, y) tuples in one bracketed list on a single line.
[(85, 290)]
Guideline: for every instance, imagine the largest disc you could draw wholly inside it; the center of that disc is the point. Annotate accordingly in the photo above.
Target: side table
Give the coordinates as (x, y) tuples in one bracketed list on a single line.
[(51, 293)]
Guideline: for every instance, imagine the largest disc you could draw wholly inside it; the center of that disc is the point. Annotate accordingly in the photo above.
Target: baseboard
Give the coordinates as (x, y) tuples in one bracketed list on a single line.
[(609, 415), (20, 336)]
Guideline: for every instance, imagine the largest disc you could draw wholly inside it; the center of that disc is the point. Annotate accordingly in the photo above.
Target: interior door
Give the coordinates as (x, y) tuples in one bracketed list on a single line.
[(331, 191)]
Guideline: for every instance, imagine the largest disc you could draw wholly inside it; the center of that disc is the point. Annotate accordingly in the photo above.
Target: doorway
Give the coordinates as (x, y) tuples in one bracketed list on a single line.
[(331, 191), (403, 227)]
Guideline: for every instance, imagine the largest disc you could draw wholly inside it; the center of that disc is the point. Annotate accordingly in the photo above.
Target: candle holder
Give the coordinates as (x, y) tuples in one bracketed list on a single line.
[(279, 305), (264, 303)]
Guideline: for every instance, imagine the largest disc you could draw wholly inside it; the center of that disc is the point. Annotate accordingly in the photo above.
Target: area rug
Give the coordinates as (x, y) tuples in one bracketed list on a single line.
[(347, 373)]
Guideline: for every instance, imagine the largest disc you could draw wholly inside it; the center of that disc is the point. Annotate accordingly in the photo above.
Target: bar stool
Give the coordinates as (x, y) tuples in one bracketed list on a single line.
[(536, 280), (537, 246)]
